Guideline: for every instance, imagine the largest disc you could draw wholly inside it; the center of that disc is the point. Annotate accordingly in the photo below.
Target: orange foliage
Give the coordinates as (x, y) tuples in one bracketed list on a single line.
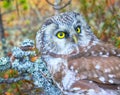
[(11, 71), (34, 58), (42, 6), (110, 2), (6, 76), (8, 93), (15, 90), (104, 36), (6, 34)]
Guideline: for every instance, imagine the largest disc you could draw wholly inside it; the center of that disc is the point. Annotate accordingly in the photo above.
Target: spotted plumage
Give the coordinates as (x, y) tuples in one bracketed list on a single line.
[(76, 58)]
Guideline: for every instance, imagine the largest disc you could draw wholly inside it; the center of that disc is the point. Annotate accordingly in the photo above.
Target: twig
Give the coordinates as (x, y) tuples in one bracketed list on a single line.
[(63, 6), (50, 2), (56, 7), (1, 27), (9, 11), (13, 80), (17, 7)]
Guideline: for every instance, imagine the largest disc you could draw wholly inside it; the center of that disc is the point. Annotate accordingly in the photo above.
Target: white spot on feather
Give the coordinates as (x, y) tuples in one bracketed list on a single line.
[(118, 55), (107, 71), (97, 67), (110, 81), (92, 52), (101, 92), (118, 88), (113, 51), (90, 81), (104, 55), (76, 71), (111, 75), (88, 47), (75, 89), (117, 68), (100, 53), (107, 53), (102, 79), (71, 67)]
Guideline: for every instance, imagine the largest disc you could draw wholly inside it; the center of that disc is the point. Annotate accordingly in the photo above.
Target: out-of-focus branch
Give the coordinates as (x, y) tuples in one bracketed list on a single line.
[(9, 11), (1, 27), (50, 2), (17, 7), (13, 80), (57, 6), (63, 6)]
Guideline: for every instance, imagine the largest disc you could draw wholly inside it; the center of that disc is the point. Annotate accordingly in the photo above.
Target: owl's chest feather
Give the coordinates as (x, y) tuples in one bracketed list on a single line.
[(55, 64)]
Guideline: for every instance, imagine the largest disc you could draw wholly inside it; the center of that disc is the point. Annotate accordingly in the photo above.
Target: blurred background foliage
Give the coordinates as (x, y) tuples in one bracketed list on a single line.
[(22, 19)]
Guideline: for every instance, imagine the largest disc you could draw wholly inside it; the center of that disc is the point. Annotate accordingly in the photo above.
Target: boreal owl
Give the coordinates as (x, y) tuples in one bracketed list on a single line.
[(77, 60)]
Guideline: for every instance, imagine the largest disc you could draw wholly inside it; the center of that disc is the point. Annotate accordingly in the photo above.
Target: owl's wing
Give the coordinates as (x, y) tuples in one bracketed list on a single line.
[(101, 70), (100, 64), (101, 49)]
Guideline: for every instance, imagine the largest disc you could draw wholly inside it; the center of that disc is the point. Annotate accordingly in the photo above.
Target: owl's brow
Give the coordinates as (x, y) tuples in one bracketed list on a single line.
[(48, 22), (63, 19), (78, 22)]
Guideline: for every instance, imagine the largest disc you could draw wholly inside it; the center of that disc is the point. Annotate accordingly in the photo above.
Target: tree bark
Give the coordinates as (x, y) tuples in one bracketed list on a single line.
[(1, 27)]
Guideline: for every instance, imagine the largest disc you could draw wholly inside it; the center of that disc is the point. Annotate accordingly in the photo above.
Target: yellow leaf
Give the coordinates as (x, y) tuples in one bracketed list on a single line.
[(33, 59)]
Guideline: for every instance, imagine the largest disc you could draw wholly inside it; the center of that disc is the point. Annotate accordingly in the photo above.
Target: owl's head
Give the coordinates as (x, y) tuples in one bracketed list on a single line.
[(64, 33)]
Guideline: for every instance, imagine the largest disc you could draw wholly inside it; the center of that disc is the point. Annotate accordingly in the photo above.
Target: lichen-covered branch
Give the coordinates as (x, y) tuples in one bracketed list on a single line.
[(29, 69)]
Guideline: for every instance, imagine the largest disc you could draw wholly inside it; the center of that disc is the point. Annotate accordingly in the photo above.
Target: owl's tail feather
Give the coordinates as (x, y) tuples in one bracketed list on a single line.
[(85, 85)]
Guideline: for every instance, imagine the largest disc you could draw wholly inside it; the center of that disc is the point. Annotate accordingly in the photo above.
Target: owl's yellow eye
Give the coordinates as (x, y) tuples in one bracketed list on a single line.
[(61, 35), (78, 30)]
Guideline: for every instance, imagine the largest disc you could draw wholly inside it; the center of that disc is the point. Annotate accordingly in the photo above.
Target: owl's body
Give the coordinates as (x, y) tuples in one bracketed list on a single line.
[(77, 60)]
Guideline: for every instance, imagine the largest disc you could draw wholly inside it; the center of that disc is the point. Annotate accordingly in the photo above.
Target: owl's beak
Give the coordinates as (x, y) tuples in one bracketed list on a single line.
[(75, 38)]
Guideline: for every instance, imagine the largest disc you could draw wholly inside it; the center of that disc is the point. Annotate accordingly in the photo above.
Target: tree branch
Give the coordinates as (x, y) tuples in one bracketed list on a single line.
[(1, 27), (56, 7), (50, 3), (63, 6), (13, 80)]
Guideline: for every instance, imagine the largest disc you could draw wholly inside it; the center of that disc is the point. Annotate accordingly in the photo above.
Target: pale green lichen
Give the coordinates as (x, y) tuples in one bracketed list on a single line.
[(38, 69)]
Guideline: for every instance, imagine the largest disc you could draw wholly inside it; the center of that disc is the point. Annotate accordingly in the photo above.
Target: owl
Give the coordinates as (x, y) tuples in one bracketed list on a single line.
[(77, 60)]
